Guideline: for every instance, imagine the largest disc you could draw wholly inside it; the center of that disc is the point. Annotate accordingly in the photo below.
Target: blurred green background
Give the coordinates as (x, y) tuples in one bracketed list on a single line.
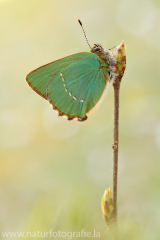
[(53, 172)]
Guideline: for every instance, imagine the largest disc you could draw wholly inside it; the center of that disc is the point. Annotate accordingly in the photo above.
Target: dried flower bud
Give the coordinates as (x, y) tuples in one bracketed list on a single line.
[(107, 207), (120, 56)]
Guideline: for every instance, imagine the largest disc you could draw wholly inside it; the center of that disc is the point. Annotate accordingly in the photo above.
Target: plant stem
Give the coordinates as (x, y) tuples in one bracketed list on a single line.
[(116, 88)]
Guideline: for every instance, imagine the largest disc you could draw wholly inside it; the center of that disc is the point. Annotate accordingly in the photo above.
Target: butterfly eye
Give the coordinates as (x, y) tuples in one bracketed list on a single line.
[(97, 49)]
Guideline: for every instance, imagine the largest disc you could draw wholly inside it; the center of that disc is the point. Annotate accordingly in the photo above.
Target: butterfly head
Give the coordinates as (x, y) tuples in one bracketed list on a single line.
[(98, 49)]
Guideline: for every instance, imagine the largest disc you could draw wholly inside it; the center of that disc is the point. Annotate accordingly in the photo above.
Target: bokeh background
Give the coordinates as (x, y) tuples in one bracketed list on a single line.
[(53, 172)]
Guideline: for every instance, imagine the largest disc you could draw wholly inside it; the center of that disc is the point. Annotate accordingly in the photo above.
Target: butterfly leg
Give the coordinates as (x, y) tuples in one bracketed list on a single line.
[(120, 73), (121, 62), (111, 48)]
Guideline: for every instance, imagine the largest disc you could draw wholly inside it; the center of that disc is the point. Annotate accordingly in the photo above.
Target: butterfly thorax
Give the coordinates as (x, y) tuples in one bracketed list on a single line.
[(107, 57)]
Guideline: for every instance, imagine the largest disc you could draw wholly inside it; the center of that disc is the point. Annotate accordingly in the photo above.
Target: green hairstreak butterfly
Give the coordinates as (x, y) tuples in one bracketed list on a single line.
[(75, 84)]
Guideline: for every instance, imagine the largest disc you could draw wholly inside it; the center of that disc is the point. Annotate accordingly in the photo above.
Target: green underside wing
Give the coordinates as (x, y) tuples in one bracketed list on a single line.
[(73, 84)]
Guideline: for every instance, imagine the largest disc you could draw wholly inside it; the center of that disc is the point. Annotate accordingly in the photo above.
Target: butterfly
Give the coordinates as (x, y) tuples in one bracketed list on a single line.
[(74, 84)]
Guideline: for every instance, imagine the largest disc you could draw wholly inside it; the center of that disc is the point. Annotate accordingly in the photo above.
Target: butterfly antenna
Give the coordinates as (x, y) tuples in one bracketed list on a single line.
[(84, 33)]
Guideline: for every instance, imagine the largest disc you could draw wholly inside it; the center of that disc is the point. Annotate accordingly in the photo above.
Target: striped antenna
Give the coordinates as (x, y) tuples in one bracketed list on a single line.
[(84, 33)]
